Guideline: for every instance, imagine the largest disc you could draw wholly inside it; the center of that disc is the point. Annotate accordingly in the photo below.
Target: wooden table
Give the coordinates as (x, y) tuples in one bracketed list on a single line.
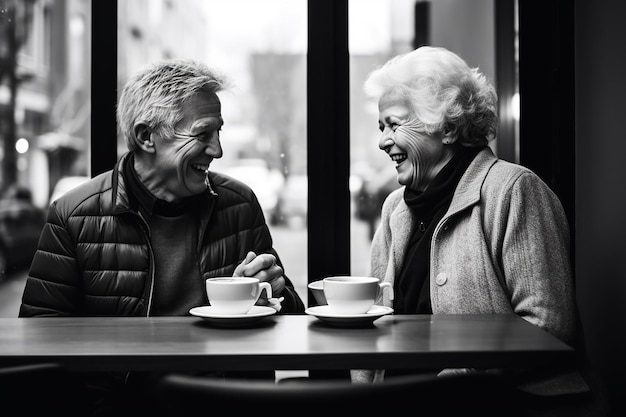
[(298, 342)]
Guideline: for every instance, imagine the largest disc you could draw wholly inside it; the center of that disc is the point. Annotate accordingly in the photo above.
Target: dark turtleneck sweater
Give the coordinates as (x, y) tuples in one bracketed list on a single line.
[(178, 284)]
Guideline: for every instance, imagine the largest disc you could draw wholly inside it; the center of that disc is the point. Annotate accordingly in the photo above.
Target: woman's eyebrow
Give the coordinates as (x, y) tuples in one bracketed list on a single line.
[(388, 119)]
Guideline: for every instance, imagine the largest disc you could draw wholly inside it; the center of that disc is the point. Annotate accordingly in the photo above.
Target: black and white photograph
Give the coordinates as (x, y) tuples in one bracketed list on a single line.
[(367, 207)]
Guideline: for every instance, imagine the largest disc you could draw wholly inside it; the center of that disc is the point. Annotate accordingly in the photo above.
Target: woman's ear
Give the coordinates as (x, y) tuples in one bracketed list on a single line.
[(449, 134), (448, 137), (143, 137)]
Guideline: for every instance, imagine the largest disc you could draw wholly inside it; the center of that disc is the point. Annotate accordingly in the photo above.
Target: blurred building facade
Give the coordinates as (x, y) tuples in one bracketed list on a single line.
[(50, 102)]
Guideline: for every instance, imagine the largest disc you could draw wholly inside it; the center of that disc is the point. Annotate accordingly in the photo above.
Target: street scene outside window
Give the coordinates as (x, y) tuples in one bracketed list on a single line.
[(261, 45), (44, 123)]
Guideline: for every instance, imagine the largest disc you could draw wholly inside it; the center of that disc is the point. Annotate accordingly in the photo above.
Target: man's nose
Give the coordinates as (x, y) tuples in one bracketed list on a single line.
[(214, 149)]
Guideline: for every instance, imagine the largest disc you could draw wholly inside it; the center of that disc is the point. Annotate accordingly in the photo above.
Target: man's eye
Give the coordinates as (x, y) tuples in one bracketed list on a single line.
[(206, 136), (203, 137)]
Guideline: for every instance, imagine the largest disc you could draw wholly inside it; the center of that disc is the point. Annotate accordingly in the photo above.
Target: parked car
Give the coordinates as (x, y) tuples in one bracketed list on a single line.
[(21, 223), (292, 201), (65, 184), (264, 181)]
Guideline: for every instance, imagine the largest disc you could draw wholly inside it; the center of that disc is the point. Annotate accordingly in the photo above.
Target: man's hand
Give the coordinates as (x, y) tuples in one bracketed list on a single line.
[(264, 268)]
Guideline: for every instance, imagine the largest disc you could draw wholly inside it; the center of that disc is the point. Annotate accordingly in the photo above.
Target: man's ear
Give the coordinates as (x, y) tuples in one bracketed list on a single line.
[(143, 137)]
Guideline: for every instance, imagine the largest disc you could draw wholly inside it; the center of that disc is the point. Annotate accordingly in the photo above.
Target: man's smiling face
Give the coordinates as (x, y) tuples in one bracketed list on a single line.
[(183, 160)]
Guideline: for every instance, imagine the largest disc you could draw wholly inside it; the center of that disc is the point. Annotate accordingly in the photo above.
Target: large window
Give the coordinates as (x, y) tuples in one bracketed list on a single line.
[(261, 46), (297, 127)]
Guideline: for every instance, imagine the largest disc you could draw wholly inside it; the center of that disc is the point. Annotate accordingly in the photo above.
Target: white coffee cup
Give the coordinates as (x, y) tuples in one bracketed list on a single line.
[(317, 289), (235, 295), (349, 295)]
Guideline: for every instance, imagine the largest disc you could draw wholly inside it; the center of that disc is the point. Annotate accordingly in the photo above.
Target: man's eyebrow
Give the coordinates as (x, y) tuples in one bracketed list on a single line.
[(208, 122)]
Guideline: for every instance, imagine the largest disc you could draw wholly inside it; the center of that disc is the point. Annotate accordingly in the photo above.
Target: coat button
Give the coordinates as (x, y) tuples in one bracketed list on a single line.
[(441, 278)]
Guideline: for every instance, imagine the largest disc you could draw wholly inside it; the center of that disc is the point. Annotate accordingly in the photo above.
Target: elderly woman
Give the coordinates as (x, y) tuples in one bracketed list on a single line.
[(468, 232)]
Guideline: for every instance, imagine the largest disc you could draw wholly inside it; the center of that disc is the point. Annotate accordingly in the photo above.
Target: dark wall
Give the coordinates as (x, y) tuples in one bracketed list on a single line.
[(546, 85), (600, 256)]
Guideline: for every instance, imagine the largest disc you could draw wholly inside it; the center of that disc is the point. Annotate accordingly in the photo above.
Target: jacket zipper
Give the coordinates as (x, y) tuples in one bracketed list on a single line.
[(147, 236)]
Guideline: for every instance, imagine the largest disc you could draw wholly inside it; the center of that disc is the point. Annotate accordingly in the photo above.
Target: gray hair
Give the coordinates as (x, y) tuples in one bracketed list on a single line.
[(444, 93), (154, 95)]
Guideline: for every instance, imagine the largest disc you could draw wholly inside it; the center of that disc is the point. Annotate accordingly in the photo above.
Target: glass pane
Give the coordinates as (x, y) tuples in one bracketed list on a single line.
[(45, 127), (261, 45), (378, 30)]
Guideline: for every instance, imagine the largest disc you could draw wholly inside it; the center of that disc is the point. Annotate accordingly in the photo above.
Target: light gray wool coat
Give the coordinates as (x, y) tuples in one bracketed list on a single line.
[(502, 247)]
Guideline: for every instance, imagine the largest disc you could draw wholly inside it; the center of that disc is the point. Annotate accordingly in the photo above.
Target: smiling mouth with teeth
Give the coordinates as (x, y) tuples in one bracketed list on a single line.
[(205, 169), (200, 167), (398, 158)]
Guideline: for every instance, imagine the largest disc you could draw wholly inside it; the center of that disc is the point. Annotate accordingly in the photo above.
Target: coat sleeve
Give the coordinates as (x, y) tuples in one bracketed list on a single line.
[(52, 285), (536, 258)]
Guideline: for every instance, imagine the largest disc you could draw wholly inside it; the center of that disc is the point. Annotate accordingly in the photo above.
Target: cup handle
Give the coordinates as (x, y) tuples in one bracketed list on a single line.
[(389, 288), (264, 286)]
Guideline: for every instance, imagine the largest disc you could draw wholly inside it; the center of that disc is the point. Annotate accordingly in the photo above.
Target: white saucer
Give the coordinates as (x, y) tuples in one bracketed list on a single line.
[(326, 314), (232, 320)]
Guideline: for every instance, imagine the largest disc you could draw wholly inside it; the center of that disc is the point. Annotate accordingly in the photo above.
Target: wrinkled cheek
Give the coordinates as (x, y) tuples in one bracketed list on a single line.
[(184, 172), (415, 156), (177, 178), (409, 140)]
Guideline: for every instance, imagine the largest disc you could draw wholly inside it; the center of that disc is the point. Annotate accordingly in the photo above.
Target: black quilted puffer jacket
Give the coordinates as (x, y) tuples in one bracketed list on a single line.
[(94, 256)]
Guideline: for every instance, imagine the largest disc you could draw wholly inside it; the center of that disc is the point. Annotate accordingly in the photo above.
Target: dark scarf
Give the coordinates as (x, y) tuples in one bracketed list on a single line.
[(412, 286)]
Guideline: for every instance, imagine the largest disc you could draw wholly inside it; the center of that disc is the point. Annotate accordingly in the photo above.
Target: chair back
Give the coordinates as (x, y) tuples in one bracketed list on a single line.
[(181, 395), (39, 389)]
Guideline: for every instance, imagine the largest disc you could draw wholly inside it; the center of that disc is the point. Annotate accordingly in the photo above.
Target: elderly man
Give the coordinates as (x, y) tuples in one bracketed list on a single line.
[(141, 239)]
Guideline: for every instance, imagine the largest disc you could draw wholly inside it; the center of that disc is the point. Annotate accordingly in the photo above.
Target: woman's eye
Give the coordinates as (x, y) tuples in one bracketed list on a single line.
[(392, 126)]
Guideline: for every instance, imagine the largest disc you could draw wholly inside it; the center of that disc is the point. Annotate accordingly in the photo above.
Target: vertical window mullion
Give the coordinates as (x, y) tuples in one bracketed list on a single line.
[(103, 85), (328, 139)]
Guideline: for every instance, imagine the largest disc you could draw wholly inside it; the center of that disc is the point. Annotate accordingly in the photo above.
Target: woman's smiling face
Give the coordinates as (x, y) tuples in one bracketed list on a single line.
[(418, 156)]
